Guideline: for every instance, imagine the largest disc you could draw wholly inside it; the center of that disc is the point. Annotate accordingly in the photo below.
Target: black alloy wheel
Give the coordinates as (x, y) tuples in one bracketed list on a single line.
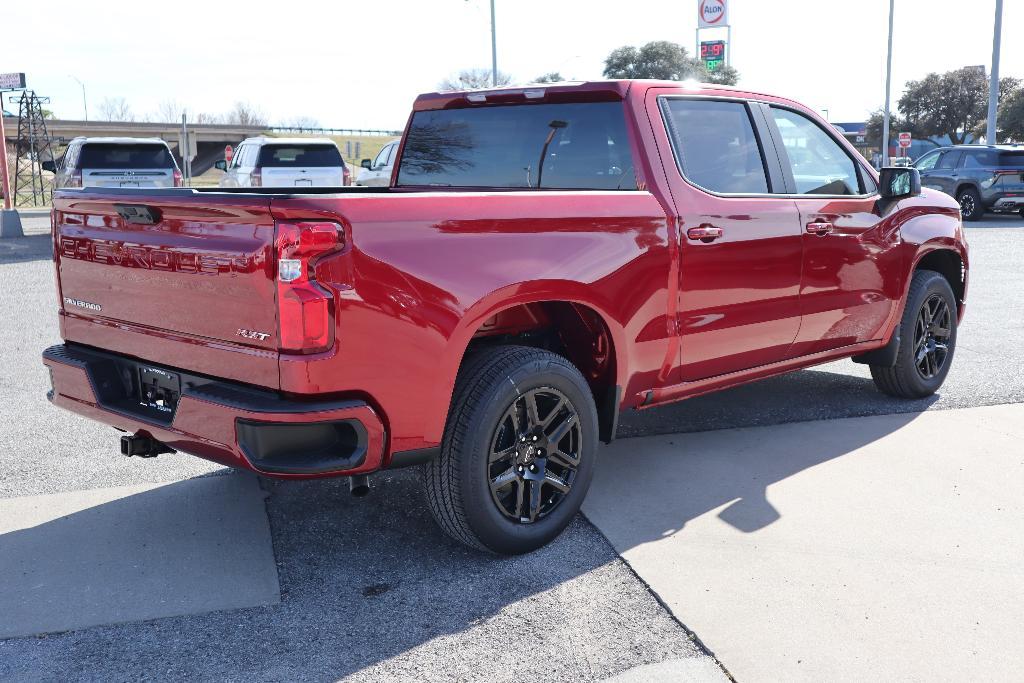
[(534, 456), (931, 336)]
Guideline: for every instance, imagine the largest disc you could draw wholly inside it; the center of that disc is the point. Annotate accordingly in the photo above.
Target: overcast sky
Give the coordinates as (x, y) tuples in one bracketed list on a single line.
[(360, 64)]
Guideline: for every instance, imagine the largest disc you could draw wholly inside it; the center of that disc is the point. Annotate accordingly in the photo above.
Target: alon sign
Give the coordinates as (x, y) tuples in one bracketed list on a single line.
[(15, 81), (712, 13)]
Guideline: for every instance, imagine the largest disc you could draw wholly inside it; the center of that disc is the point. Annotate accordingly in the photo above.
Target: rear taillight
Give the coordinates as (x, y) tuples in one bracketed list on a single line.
[(256, 177), (75, 179), (346, 176), (304, 308), (177, 178)]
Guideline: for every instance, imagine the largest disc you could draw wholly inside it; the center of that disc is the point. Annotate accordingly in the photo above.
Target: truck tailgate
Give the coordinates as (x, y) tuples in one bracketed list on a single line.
[(171, 280)]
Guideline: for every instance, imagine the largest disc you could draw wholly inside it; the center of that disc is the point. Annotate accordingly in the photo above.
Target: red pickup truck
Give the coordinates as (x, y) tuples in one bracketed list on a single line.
[(543, 258)]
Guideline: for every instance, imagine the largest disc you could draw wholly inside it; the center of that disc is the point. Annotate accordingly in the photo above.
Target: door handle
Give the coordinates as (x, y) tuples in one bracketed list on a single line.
[(704, 233), (820, 229)]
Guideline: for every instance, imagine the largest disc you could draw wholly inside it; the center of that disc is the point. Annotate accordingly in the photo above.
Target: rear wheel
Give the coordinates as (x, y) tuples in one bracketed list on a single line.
[(970, 204), (518, 451), (927, 340)]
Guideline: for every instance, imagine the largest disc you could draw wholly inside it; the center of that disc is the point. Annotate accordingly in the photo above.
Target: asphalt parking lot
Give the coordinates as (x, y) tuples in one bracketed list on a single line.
[(370, 588)]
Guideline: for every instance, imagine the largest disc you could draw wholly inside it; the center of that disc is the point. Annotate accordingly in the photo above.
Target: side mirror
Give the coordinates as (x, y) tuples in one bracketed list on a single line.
[(366, 163), (49, 165), (221, 164), (895, 182)]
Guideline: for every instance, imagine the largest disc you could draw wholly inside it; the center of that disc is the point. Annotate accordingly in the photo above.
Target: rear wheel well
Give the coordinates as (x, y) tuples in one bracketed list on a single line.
[(947, 263), (573, 331)]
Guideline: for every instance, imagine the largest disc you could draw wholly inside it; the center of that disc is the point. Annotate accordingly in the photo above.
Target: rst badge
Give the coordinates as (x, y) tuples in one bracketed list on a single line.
[(82, 304), (250, 334)]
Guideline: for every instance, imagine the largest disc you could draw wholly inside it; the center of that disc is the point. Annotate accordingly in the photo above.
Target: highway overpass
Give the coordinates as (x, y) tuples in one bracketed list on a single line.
[(210, 137)]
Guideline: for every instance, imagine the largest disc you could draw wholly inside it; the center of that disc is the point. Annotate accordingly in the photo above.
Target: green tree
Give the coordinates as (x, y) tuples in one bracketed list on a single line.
[(1011, 116), (663, 60), (954, 103), (723, 75), (550, 77), (473, 79), (873, 132)]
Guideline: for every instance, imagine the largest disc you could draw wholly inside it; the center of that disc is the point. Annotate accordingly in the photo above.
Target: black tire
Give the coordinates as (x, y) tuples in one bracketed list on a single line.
[(970, 204), (488, 405), (914, 375)]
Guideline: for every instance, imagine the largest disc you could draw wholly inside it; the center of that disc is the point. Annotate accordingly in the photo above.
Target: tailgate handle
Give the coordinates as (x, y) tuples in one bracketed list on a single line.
[(139, 214)]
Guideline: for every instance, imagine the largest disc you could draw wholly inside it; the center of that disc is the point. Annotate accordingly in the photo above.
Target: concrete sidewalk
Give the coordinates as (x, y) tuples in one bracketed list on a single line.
[(868, 548)]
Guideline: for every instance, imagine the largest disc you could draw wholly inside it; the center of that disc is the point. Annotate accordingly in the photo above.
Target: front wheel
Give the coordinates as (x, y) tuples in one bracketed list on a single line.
[(518, 451), (927, 340)]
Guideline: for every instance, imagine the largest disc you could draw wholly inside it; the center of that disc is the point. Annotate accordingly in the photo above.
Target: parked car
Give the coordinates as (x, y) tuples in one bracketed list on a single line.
[(981, 177), (115, 162), (377, 173), (543, 259), (285, 162)]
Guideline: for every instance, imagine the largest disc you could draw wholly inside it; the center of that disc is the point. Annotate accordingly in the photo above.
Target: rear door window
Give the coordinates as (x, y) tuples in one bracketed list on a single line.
[(949, 160), (992, 158), (296, 156), (820, 164), (715, 145), (103, 155), (580, 146)]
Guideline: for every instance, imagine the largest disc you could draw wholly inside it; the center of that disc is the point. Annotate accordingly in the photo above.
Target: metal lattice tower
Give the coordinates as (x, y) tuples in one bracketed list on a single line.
[(32, 147)]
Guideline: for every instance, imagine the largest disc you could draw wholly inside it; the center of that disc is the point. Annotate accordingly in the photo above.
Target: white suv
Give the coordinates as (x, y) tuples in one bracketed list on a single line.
[(116, 162), (285, 162)]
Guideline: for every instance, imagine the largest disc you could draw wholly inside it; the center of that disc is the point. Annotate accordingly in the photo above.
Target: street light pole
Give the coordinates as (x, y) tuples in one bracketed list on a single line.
[(888, 90), (494, 50), (85, 102), (993, 83)]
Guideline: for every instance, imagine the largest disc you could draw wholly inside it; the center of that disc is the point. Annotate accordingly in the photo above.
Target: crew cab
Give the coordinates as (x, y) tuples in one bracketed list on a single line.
[(981, 177), (544, 258), (285, 162), (115, 162)]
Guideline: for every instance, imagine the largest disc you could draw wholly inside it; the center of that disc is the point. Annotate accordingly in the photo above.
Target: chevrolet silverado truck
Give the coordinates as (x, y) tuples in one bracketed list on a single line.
[(544, 258)]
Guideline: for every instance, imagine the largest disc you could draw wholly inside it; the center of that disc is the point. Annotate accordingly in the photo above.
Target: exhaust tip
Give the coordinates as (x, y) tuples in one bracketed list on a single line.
[(359, 485)]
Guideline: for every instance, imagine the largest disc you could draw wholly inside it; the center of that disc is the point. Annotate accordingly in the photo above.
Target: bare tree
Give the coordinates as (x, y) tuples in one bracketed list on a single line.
[(302, 122), (207, 117), (245, 114), (471, 79), (169, 111), (116, 109)]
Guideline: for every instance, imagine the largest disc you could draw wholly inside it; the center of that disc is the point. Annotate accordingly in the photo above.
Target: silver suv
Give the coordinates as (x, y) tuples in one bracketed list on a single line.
[(116, 162)]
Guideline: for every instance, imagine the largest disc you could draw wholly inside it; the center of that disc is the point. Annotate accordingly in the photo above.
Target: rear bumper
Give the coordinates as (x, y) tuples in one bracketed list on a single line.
[(1008, 204), (226, 422)]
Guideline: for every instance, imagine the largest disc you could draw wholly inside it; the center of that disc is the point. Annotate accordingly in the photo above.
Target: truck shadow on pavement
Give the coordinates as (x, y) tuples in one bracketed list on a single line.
[(370, 588)]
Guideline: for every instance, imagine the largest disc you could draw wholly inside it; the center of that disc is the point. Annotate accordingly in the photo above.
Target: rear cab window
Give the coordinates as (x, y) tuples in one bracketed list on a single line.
[(580, 146), (715, 145), (297, 156), (108, 155)]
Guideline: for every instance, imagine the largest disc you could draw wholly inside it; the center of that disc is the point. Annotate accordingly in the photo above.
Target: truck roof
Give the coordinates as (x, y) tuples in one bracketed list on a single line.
[(571, 91)]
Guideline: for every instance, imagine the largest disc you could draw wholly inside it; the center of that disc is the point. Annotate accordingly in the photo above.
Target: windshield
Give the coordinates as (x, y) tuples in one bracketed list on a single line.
[(112, 155), (300, 155)]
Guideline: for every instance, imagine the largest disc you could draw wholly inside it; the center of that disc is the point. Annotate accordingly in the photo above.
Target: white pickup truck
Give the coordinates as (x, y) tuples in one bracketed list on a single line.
[(285, 162)]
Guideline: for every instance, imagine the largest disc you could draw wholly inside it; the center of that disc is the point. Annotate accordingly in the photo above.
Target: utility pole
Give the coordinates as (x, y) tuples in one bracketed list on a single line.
[(993, 82), (494, 50), (85, 102), (888, 89)]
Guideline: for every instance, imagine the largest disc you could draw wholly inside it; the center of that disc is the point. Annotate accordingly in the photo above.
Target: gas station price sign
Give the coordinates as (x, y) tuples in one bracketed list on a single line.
[(712, 53)]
